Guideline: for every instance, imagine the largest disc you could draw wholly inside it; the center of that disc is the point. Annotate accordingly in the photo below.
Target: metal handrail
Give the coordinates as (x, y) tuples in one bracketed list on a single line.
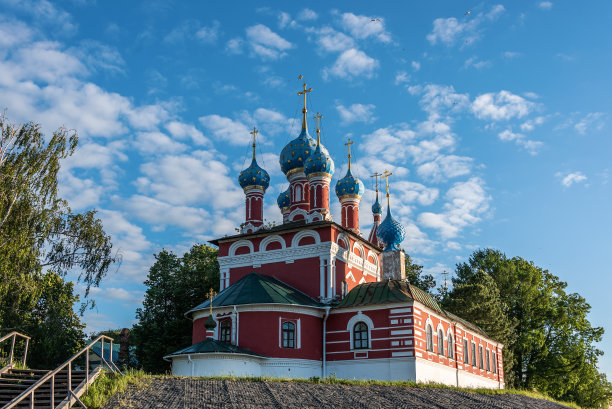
[(14, 335), (51, 375)]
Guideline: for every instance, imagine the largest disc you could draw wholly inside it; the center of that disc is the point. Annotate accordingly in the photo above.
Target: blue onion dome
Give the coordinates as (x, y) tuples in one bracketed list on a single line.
[(319, 162), (294, 154), (254, 176), (349, 186), (390, 232), (376, 207), (284, 199)]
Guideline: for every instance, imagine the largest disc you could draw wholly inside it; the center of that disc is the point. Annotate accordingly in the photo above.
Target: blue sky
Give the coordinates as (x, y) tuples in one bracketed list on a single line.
[(493, 116)]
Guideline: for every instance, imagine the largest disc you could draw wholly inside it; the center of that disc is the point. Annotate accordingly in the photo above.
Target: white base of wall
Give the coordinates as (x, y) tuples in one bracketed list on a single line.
[(243, 365), (427, 371), (387, 369)]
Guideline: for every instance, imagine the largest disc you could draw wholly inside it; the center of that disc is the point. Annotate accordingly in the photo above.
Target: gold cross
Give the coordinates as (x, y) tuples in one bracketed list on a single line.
[(349, 143), (376, 175), (255, 132), (211, 295), (386, 176), (304, 92), (319, 116)]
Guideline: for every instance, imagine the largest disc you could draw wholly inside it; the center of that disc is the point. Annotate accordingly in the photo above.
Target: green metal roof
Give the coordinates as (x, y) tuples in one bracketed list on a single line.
[(381, 292), (397, 291), (210, 345), (259, 289)]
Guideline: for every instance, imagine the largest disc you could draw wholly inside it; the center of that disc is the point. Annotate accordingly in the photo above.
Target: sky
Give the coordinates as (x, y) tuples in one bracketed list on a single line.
[(494, 118)]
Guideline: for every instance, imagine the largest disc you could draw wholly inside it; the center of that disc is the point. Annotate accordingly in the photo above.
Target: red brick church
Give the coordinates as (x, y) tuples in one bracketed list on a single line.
[(315, 298)]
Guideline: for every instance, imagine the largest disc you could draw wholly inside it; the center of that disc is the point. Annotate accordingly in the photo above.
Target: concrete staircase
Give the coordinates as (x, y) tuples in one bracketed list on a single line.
[(14, 382)]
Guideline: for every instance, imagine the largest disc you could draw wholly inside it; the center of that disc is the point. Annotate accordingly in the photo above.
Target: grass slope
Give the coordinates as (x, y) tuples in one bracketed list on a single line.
[(109, 384)]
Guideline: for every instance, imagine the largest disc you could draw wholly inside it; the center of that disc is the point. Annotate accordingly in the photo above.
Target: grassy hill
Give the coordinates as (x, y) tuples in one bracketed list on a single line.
[(138, 390)]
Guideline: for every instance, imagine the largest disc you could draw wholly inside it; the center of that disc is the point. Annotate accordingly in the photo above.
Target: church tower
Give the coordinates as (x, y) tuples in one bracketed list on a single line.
[(377, 213), (349, 190), (391, 233), (292, 160), (319, 170), (254, 181)]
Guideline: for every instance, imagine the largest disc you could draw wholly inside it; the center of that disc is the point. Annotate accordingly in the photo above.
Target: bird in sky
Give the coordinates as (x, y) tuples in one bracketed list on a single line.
[(300, 77), (467, 12), (375, 19)]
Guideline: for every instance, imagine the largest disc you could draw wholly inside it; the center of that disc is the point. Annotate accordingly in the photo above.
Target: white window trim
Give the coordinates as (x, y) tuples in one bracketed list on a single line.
[(360, 317)]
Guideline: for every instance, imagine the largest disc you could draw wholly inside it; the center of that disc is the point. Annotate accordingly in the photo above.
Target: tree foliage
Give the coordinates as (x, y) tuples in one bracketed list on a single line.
[(549, 341), (415, 276), (42, 240), (175, 285)]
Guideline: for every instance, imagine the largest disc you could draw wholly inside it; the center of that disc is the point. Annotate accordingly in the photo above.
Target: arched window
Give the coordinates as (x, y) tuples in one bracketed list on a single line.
[(288, 335), (488, 360), (466, 352), (494, 363), (360, 336), (298, 193), (450, 350), (480, 357), (473, 354), (440, 342), (429, 338), (225, 333)]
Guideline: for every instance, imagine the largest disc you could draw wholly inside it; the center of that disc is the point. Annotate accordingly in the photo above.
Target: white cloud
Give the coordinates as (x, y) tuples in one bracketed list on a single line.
[(568, 179), (184, 131), (503, 105), (209, 34), (127, 238), (450, 30), (545, 5), (234, 45), (476, 63), (307, 15), (402, 77), (533, 147), (226, 129), (353, 63), (118, 294), (161, 214), (511, 54), (593, 120), (46, 13), (81, 193), (157, 143), (439, 98), (331, 40), (97, 56), (466, 203), (265, 43), (13, 32), (530, 124), (356, 113), (416, 65), (362, 27), (445, 167), (198, 178)]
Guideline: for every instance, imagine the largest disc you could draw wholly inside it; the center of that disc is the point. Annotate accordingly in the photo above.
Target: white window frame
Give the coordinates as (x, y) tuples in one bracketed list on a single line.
[(351, 324)]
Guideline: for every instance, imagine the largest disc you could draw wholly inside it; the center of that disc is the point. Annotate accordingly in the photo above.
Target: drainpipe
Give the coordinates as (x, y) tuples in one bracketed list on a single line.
[(191, 362), (323, 375), (455, 352), (237, 326)]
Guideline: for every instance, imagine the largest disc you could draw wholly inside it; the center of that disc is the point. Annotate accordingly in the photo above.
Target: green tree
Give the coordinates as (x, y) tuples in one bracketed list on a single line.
[(175, 285), (415, 276), (41, 239), (552, 342), (56, 330)]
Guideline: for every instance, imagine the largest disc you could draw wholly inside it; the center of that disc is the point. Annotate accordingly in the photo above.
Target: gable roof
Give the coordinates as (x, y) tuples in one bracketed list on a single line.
[(259, 289), (396, 291), (210, 345)]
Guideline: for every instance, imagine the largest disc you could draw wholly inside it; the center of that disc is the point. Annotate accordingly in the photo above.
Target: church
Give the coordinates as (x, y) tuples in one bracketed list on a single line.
[(314, 297)]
